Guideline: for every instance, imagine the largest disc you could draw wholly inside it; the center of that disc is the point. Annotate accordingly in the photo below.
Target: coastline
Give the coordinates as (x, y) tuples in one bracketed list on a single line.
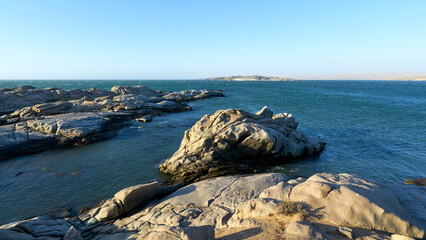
[(331, 206)]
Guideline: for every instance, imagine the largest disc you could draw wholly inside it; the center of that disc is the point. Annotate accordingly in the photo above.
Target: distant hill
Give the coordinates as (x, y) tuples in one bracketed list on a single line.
[(250, 78), (411, 78)]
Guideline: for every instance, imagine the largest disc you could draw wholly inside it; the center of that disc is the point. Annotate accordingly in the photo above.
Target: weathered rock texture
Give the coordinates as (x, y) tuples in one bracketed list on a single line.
[(232, 137), (34, 119), (332, 201)]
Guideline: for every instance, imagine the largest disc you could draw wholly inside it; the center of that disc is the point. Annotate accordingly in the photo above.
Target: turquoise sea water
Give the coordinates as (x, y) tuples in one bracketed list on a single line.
[(375, 129)]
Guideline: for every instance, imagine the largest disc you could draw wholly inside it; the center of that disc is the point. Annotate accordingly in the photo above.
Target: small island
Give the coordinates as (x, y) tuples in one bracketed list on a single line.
[(251, 78), (411, 78)]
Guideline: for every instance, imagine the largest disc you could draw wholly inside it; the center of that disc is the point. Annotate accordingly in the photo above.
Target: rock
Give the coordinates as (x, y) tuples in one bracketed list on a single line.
[(400, 237), (192, 95), (6, 234), (70, 125), (160, 232), (347, 200), (199, 233), (51, 108), (123, 202), (300, 230), (347, 231), (15, 140), (420, 182), (51, 117), (197, 210), (223, 141), (108, 210), (144, 119), (36, 228), (12, 99), (140, 90), (265, 112), (259, 207), (72, 234), (131, 197)]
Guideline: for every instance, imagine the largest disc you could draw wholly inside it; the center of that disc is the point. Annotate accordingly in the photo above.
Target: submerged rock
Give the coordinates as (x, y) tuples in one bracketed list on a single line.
[(230, 137), (420, 182)]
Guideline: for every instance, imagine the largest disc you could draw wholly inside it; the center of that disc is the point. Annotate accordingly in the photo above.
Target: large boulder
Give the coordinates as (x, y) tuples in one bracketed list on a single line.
[(231, 137)]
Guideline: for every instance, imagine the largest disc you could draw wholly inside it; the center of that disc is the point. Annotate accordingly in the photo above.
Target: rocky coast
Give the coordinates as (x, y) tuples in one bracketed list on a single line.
[(32, 120), (248, 206), (261, 206)]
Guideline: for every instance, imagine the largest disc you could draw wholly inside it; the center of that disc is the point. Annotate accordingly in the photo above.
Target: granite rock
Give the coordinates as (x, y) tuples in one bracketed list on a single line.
[(232, 137)]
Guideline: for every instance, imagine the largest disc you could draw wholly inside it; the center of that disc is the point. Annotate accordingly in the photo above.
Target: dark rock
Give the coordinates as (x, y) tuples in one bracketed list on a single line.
[(420, 182)]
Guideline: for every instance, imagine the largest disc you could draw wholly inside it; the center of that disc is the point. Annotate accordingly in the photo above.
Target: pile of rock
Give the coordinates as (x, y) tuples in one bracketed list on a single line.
[(33, 119), (235, 140)]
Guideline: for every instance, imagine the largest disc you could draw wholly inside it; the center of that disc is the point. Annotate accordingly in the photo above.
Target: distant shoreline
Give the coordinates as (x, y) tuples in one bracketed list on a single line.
[(210, 79), (251, 78)]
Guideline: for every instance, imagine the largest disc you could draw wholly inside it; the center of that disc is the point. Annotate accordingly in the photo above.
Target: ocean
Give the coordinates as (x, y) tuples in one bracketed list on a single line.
[(375, 129)]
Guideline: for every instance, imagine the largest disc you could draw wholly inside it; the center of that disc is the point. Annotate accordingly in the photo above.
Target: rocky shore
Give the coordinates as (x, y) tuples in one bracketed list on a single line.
[(255, 206), (32, 119), (261, 206)]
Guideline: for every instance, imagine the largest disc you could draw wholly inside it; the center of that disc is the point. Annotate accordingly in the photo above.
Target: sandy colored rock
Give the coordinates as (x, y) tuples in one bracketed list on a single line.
[(346, 200), (300, 231), (400, 237), (230, 137), (242, 207), (133, 196)]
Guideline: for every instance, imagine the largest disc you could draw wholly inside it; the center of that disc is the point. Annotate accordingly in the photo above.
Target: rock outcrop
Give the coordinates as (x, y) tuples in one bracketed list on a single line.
[(32, 119), (335, 206), (230, 139), (15, 98)]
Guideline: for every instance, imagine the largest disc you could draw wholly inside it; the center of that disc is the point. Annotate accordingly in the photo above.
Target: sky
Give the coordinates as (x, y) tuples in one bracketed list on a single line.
[(126, 39)]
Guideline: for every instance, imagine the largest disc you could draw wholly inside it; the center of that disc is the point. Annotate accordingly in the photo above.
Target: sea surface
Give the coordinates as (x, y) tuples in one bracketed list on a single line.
[(375, 129)]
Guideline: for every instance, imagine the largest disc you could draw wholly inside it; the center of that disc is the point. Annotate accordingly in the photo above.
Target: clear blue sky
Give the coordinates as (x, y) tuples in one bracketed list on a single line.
[(125, 39)]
